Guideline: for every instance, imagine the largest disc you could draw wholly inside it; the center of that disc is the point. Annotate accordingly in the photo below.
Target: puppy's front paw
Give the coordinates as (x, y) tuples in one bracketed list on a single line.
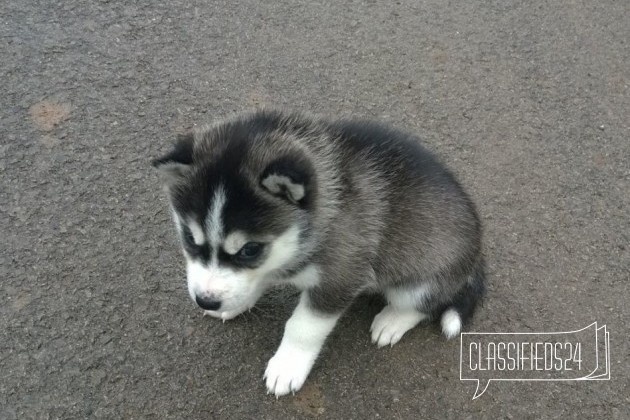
[(287, 370)]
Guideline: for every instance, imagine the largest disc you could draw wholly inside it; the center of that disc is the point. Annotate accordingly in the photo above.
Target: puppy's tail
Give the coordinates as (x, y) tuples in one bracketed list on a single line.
[(463, 305)]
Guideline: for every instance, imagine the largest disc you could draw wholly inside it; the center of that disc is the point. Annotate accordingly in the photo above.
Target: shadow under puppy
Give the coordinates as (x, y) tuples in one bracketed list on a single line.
[(335, 208)]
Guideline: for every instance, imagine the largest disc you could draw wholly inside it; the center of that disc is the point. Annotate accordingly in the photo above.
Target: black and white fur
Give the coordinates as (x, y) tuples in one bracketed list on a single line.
[(335, 208)]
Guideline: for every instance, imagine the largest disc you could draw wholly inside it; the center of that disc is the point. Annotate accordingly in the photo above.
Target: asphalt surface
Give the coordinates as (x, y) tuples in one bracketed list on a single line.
[(528, 102)]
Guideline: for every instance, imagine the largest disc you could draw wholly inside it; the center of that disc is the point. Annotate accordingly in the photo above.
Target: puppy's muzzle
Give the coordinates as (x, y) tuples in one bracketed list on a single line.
[(208, 304)]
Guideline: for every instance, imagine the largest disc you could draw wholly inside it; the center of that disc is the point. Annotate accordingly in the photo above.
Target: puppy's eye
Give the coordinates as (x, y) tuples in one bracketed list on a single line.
[(250, 251)]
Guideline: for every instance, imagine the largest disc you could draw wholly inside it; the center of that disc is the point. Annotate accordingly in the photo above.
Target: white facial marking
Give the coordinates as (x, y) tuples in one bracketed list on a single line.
[(239, 290), (304, 335), (451, 323), (208, 280), (234, 242), (391, 324), (215, 223), (276, 183), (283, 250), (234, 289), (197, 232)]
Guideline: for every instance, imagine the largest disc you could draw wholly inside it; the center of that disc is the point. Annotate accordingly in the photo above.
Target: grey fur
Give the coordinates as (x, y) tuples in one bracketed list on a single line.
[(379, 213)]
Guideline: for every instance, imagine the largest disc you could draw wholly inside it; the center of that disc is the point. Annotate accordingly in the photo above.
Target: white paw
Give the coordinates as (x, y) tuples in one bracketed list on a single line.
[(391, 324), (287, 370)]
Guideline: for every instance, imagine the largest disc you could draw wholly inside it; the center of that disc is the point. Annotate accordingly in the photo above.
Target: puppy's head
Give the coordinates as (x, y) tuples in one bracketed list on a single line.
[(240, 200)]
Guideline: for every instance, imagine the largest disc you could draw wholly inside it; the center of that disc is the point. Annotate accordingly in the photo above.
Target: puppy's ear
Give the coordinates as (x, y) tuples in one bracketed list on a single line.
[(289, 177), (174, 165)]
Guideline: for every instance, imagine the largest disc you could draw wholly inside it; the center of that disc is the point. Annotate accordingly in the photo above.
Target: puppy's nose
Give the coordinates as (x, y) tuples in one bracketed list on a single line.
[(207, 303)]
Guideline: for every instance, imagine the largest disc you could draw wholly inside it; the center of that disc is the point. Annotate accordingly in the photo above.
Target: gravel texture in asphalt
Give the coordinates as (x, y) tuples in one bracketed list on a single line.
[(528, 102)]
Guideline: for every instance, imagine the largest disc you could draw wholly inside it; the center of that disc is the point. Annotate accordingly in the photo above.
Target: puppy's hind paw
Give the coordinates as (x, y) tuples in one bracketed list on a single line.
[(391, 324)]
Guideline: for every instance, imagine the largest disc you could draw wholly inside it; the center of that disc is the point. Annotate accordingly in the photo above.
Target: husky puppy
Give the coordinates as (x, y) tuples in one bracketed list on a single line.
[(335, 208)]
